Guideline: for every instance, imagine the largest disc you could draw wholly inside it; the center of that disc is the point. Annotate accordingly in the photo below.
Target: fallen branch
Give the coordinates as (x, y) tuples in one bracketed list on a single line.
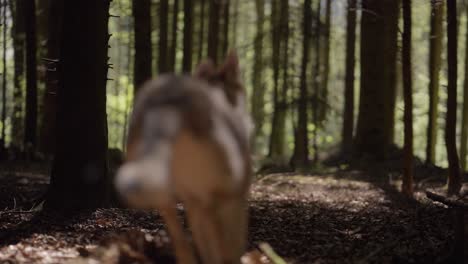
[(447, 201)]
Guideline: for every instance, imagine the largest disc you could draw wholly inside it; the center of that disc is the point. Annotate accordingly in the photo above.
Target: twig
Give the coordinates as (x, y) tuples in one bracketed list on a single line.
[(271, 254)]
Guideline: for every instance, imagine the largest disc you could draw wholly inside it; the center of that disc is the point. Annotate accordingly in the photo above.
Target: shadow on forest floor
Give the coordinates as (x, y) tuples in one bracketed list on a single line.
[(337, 217)]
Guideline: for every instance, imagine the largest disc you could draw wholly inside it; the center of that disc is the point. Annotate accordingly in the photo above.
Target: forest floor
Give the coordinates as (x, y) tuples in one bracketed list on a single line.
[(340, 216)]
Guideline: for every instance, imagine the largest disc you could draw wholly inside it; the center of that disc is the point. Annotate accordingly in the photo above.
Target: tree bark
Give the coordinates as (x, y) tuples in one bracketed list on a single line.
[(391, 18), (464, 128), (454, 179), (79, 178), (143, 49), (214, 30), (188, 36), (163, 36), (316, 94), (326, 64), (407, 186), (275, 55), (4, 79), (379, 25), (48, 126), (435, 52), (348, 109), (301, 149), (258, 85), (18, 36), (173, 49), (201, 32), (226, 15), (30, 138), (277, 137)]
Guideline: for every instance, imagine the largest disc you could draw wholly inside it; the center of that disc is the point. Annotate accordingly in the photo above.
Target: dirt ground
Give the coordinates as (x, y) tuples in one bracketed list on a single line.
[(341, 216)]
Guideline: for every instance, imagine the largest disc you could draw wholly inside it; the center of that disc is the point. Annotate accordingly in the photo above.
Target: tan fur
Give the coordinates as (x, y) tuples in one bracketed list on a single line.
[(208, 160)]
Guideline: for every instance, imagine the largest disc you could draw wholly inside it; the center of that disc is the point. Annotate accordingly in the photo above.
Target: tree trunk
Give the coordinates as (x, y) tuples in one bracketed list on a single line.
[(348, 110), (284, 21), (18, 36), (48, 127), (213, 30), (316, 94), (163, 36), (188, 36), (374, 133), (435, 52), (42, 29), (143, 49), (258, 85), (235, 19), (392, 15), (173, 49), (4, 79), (301, 150), (454, 179), (275, 55), (326, 64), (201, 32), (226, 15), (79, 178), (30, 138), (277, 138), (464, 128), (407, 187)]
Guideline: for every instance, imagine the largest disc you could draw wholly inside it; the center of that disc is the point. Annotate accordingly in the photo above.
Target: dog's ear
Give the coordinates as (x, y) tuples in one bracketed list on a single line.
[(230, 71), (206, 70), (229, 75)]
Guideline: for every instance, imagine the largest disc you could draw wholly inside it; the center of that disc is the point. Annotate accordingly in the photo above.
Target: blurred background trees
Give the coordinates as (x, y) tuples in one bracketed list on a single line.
[(322, 76)]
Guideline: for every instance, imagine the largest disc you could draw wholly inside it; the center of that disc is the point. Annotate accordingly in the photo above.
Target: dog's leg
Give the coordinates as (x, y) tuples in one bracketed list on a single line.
[(182, 248)]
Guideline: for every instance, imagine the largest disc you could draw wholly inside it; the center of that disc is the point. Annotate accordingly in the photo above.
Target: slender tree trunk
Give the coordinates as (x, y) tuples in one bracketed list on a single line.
[(435, 52), (226, 15), (407, 187), (143, 49), (235, 20), (201, 33), (316, 94), (391, 16), (173, 49), (4, 79), (275, 55), (464, 128), (128, 92), (454, 179), (18, 35), (213, 30), (284, 21), (348, 110), (258, 91), (326, 64), (280, 31), (301, 150), (188, 36), (79, 178), (163, 36), (30, 138)]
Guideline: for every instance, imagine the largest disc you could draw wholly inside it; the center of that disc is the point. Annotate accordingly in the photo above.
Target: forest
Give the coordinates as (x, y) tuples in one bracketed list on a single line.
[(234, 131)]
